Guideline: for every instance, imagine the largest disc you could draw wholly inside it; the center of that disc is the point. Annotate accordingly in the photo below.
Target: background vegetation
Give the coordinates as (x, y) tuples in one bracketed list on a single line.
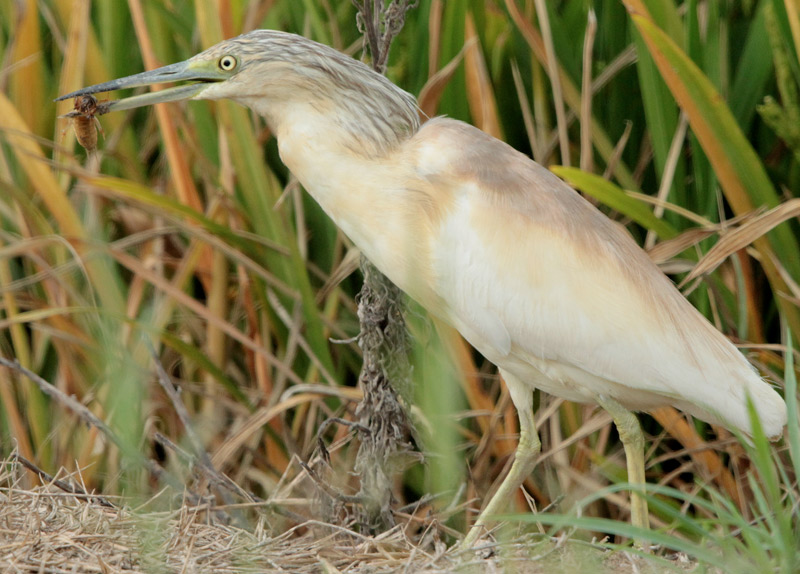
[(679, 119)]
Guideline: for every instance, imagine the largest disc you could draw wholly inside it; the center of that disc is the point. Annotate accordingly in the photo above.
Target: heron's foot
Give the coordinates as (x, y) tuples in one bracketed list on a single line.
[(475, 533), (524, 461)]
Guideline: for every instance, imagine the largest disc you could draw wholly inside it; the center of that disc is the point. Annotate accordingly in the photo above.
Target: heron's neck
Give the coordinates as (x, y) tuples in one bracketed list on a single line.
[(366, 196), (341, 171), (368, 123)]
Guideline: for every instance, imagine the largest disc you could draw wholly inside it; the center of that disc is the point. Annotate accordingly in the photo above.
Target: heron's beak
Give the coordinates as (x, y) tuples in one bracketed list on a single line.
[(204, 72)]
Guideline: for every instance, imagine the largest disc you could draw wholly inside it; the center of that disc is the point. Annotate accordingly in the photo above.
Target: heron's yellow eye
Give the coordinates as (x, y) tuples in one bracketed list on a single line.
[(227, 63)]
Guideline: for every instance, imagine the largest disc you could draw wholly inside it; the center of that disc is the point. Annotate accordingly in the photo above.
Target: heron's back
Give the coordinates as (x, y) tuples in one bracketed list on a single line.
[(553, 291)]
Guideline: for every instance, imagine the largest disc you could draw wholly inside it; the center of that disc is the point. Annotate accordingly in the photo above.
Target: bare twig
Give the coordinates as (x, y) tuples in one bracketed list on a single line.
[(91, 419), (65, 486), (187, 457), (327, 489), (323, 449), (380, 24), (202, 458)]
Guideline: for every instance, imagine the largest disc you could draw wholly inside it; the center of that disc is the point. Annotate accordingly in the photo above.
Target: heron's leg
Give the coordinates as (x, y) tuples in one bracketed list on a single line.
[(630, 433), (524, 458)]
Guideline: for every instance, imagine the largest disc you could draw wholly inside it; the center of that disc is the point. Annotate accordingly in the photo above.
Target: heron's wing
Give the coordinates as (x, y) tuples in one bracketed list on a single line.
[(541, 282)]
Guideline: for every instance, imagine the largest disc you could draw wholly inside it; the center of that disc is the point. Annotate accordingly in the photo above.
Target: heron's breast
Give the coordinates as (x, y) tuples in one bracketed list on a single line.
[(377, 202)]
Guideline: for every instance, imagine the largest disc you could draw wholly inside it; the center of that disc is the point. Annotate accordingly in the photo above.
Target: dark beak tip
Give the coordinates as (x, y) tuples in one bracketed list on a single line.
[(71, 95)]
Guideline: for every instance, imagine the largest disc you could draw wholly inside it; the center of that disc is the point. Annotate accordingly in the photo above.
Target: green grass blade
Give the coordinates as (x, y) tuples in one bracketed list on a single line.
[(793, 425)]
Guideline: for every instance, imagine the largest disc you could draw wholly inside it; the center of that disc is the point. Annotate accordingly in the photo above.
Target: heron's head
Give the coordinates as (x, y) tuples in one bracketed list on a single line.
[(270, 71)]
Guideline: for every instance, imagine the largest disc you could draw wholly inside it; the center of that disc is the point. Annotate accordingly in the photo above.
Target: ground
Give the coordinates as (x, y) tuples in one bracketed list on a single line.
[(44, 529)]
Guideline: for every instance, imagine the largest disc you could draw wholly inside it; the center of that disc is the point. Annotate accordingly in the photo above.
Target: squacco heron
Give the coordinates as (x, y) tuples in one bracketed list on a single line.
[(532, 275)]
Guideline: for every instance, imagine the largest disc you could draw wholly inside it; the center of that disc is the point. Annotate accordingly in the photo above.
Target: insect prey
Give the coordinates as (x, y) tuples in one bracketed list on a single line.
[(84, 120)]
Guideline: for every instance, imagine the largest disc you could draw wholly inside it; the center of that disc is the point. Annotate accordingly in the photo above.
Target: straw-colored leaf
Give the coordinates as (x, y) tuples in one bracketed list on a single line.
[(744, 235), (432, 91), (21, 140), (666, 250), (28, 81), (480, 92)]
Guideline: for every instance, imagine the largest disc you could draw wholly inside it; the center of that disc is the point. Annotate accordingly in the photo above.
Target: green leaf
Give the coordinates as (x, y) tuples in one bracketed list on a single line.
[(615, 198)]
